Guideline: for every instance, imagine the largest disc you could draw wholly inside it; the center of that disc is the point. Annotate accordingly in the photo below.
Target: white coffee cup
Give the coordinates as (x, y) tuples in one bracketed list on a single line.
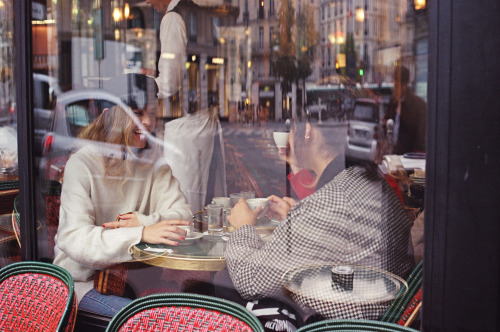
[(253, 203), (224, 201), (188, 229), (281, 139)]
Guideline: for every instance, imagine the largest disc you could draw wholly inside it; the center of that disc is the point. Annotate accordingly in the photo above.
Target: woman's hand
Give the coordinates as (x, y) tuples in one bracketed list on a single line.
[(241, 214), (288, 155), (279, 207), (165, 232), (124, 220)]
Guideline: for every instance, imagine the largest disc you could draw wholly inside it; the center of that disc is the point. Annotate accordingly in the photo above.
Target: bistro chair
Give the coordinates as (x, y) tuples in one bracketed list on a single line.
[(183, 311), (346, 325), (404, 309), (36, 296), (16, 221), (9, 189)]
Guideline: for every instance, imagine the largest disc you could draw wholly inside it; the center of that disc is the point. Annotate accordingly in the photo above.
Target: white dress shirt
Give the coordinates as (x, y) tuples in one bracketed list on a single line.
[(173, 39)]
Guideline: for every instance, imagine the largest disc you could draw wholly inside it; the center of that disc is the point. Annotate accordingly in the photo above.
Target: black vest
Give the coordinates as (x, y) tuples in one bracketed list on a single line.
[(189, 4)]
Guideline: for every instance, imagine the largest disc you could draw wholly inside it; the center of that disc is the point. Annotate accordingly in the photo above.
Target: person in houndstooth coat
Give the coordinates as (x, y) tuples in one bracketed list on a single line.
[(352, 217)]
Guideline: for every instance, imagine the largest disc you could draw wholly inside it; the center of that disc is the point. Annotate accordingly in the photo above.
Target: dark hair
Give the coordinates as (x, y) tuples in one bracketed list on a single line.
[(404, 74)]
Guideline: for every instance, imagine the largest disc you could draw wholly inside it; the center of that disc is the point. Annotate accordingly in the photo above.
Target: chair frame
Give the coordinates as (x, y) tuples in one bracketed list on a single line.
[(354, 325), (397, 308), (54, 271), (184, 300)]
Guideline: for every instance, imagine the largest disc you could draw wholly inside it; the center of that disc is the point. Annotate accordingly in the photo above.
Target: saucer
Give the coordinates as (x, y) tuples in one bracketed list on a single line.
[(195, 237)]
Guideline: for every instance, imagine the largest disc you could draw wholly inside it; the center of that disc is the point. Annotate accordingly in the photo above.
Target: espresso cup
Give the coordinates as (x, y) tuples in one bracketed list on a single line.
[(253, 203), (188, 228), (281, 139)]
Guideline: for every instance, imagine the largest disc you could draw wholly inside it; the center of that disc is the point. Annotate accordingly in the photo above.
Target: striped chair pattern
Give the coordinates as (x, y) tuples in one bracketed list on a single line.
[(36, 296), (404, 309), (183, 312), (346, 325)]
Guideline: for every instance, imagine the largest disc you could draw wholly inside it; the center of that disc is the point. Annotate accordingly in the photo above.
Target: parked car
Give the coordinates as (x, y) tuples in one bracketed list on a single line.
[(318, 111), (364, 129), (73, 111), (45, 92)]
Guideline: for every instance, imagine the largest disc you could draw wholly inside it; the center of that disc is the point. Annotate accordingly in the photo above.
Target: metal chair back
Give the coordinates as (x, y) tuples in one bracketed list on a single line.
[(397, 308), (346, 325), (36, 296), (183, 312)]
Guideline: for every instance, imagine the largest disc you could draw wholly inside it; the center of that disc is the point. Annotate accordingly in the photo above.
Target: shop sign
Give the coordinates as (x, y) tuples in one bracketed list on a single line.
[(44, 61)]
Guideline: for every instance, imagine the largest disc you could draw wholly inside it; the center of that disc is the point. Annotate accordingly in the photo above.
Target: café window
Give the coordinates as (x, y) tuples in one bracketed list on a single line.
[(261, 9), (128, 135), (192, 32)]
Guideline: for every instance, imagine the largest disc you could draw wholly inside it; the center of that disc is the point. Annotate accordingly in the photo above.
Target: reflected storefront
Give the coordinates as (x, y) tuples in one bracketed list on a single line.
[(65, 65)]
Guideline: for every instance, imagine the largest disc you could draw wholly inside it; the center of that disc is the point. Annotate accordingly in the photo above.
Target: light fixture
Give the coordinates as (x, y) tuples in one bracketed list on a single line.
[(360, 14), (218, 61), (126, 11), (420, 4), (117, 15)]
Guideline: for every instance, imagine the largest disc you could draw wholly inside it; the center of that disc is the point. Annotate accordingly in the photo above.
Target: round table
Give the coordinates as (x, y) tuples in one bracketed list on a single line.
[(370, 288), (203, 253)]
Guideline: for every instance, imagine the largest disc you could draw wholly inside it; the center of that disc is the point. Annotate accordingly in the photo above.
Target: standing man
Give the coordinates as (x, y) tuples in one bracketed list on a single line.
[(194, 147), (172, 62), (408, 111)]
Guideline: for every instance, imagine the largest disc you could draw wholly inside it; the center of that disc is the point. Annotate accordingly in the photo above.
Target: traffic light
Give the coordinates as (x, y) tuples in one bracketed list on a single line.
[(361, 72), (337, 67)]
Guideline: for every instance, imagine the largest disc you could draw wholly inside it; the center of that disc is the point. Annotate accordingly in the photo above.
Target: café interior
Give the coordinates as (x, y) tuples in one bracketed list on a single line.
[(170, 212)]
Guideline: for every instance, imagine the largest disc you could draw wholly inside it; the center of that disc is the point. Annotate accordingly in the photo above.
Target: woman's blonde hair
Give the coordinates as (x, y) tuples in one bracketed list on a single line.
[(113, 126)]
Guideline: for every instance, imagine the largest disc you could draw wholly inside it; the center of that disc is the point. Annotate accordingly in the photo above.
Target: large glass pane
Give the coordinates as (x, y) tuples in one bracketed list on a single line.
[(9, 183), (319, 101)]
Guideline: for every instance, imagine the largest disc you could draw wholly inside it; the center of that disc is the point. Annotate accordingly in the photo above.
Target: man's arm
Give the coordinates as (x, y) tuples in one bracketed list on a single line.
[(173, 38)]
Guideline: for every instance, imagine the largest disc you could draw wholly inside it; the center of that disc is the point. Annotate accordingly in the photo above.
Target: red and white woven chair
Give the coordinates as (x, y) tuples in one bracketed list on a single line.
[(36, 296), (183, 312)]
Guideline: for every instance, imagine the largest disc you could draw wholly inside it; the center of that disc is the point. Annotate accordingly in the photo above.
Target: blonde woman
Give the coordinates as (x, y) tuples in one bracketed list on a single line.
[(117, 171)]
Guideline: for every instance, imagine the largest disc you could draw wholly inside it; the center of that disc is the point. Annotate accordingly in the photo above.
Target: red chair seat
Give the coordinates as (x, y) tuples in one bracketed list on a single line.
[(183, 318), (36, 296)]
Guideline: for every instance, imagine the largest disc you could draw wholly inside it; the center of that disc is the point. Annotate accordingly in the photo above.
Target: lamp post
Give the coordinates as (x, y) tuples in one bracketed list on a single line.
[(360, 18)]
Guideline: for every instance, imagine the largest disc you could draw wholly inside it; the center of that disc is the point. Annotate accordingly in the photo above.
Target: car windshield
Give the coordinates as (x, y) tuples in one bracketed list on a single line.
[(80, 114), (365, 112)]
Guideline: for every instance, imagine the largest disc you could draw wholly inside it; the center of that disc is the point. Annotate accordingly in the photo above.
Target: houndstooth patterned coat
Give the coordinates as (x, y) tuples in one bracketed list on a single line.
[(356, 218)]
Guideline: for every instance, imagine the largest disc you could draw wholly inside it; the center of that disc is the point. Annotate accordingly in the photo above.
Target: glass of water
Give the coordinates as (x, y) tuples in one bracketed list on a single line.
[(234, 198), (248, 194), (215, 216)]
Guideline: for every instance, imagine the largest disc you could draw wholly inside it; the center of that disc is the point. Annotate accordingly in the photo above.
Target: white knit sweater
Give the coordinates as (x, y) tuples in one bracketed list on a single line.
[(90, 199)]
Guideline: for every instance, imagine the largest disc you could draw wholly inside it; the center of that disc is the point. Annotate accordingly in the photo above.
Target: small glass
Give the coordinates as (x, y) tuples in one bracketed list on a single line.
[(215, 219), (227, 212), (234, 198), (248, 194)]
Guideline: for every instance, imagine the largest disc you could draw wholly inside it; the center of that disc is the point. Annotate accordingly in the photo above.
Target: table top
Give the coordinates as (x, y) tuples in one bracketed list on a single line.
[(201, 253), (314, 284)]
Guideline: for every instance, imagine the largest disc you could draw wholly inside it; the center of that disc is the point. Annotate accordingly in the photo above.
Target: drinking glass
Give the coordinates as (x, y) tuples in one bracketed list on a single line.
[(234, 198), (227, 212), (248, 194), (215, 219)]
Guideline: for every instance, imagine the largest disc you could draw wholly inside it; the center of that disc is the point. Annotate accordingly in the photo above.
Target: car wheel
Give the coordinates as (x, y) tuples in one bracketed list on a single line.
[(324, 115)]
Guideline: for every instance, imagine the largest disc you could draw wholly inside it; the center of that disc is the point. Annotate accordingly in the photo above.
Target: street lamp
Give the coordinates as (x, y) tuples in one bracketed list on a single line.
[(360, 14), (420, 4)]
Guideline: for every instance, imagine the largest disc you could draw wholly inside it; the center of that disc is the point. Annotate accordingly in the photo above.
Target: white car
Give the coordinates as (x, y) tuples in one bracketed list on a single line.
[(363, 131), (74, 110)]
